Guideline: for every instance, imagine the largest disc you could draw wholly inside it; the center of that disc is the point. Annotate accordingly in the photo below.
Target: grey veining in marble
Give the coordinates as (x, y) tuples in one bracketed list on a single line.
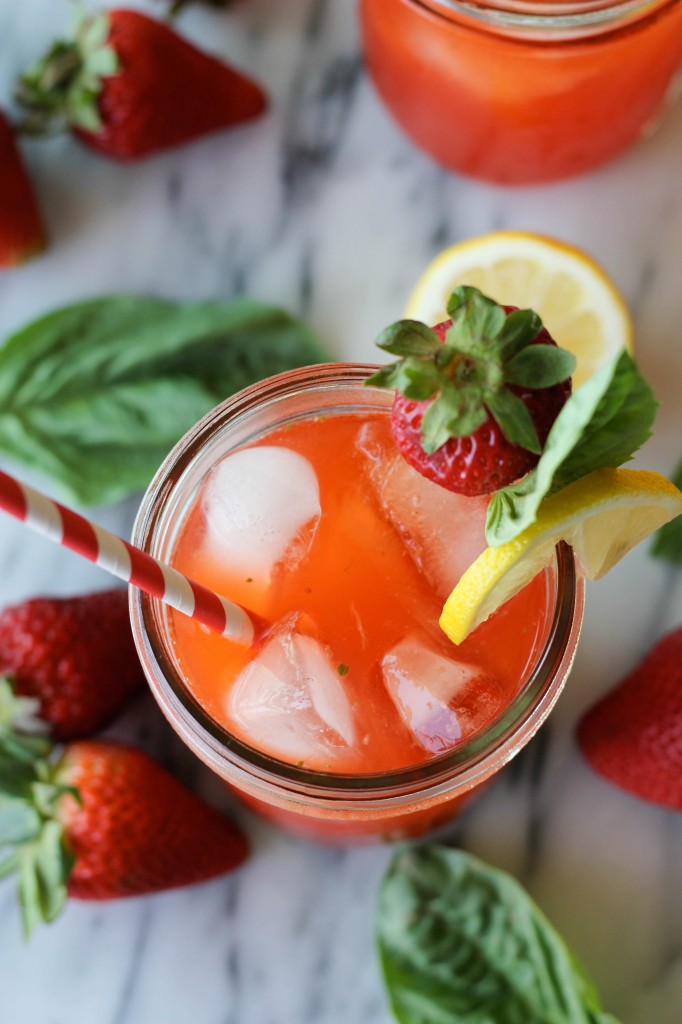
[(324, 207)]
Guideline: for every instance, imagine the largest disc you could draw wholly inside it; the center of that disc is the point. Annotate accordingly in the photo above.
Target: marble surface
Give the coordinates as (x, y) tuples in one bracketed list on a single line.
[(325, 208)]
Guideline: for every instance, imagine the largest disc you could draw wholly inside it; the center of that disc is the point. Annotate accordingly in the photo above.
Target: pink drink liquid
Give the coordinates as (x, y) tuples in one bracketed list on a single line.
[(356, 676)]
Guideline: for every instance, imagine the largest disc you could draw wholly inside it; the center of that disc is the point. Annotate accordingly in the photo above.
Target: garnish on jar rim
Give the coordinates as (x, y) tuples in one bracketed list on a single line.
[(476, 395), (569, 490)]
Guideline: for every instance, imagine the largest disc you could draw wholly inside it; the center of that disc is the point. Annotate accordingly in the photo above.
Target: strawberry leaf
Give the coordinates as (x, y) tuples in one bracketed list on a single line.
[(483, 349), (38, 851), (9, 864), (514, 420), (456, 412), (520, 328), (19, 713), (601, 425), (409, 338), (539, 366), (413, 377), (16, 771), (54, 862), (475, 317), (19, 822), (437, 419), (461, 941), (63, 87)]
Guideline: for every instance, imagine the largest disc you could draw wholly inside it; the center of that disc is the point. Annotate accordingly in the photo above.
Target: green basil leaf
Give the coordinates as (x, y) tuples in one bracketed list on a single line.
[(668, 540), (601, 425), (94, 395), (539, 366), (461, 941)]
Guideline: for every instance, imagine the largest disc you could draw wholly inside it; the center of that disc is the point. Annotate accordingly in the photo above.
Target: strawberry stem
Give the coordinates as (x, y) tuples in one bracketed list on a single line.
[(62, 89), (469, 376), (32, 839)]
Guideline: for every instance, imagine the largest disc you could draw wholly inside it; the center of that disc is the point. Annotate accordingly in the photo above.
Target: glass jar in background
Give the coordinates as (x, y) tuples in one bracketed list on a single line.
[(523, 91), (325, 806)]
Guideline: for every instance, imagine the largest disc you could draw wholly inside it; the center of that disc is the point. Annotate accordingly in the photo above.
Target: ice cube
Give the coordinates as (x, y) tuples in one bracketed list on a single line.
[(444, 532), (260, 504), (290, 700), (441, 700)]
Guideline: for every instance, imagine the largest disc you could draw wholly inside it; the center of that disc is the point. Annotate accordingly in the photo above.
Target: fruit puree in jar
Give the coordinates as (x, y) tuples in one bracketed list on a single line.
[(533, 99), (325, 531)]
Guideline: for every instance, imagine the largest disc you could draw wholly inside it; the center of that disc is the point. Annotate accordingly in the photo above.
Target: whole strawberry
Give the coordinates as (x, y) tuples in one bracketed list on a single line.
[(129, 86), (75, 655), (476, 395), (22, 233), (633, 735), (101, 822)]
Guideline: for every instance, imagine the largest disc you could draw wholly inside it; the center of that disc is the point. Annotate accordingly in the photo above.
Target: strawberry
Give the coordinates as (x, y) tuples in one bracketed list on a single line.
[(75, 655), (633, 735), (476, 395), (22, 233), (101, 821), (129, 86)]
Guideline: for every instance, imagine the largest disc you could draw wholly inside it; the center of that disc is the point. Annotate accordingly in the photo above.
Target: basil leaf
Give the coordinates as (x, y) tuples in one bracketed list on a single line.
[(461, 941), (94, 395), (601, 425), (668, 540)]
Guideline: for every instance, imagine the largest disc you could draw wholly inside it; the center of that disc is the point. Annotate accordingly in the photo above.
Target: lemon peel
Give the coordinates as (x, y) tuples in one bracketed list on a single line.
[(577, 301), (602, 516)]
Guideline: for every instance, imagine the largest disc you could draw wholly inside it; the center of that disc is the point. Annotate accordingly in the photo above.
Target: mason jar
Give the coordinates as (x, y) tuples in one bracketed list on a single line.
[(327, 806), (522, 91)]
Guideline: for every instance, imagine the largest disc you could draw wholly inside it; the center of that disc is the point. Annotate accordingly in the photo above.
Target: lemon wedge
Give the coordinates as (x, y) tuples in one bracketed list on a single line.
[(578, 303), (602, 515)]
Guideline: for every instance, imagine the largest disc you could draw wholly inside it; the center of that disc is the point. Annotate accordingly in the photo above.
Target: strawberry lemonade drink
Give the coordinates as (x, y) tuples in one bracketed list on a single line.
[(353, 718)]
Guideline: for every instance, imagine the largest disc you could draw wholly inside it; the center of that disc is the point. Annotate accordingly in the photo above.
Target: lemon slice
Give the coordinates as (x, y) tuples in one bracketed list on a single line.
[(578, 303), (603, 515)]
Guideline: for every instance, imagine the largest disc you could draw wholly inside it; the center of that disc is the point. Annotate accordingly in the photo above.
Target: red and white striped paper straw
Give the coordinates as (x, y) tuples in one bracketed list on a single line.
[(121, 559)]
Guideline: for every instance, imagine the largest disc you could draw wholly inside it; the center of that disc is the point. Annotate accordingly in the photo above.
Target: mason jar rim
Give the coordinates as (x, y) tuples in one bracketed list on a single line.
[(242, 764), (547, 15)]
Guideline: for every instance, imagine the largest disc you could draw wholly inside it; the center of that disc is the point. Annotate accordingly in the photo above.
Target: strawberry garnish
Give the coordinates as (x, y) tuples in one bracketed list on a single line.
[(129, 86), (97, 821), (477, 394), (22, 233), (633, 735), (76, 656)]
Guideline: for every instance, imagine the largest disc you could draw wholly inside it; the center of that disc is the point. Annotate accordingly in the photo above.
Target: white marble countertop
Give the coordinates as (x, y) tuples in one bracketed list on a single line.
[(323, 207)]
